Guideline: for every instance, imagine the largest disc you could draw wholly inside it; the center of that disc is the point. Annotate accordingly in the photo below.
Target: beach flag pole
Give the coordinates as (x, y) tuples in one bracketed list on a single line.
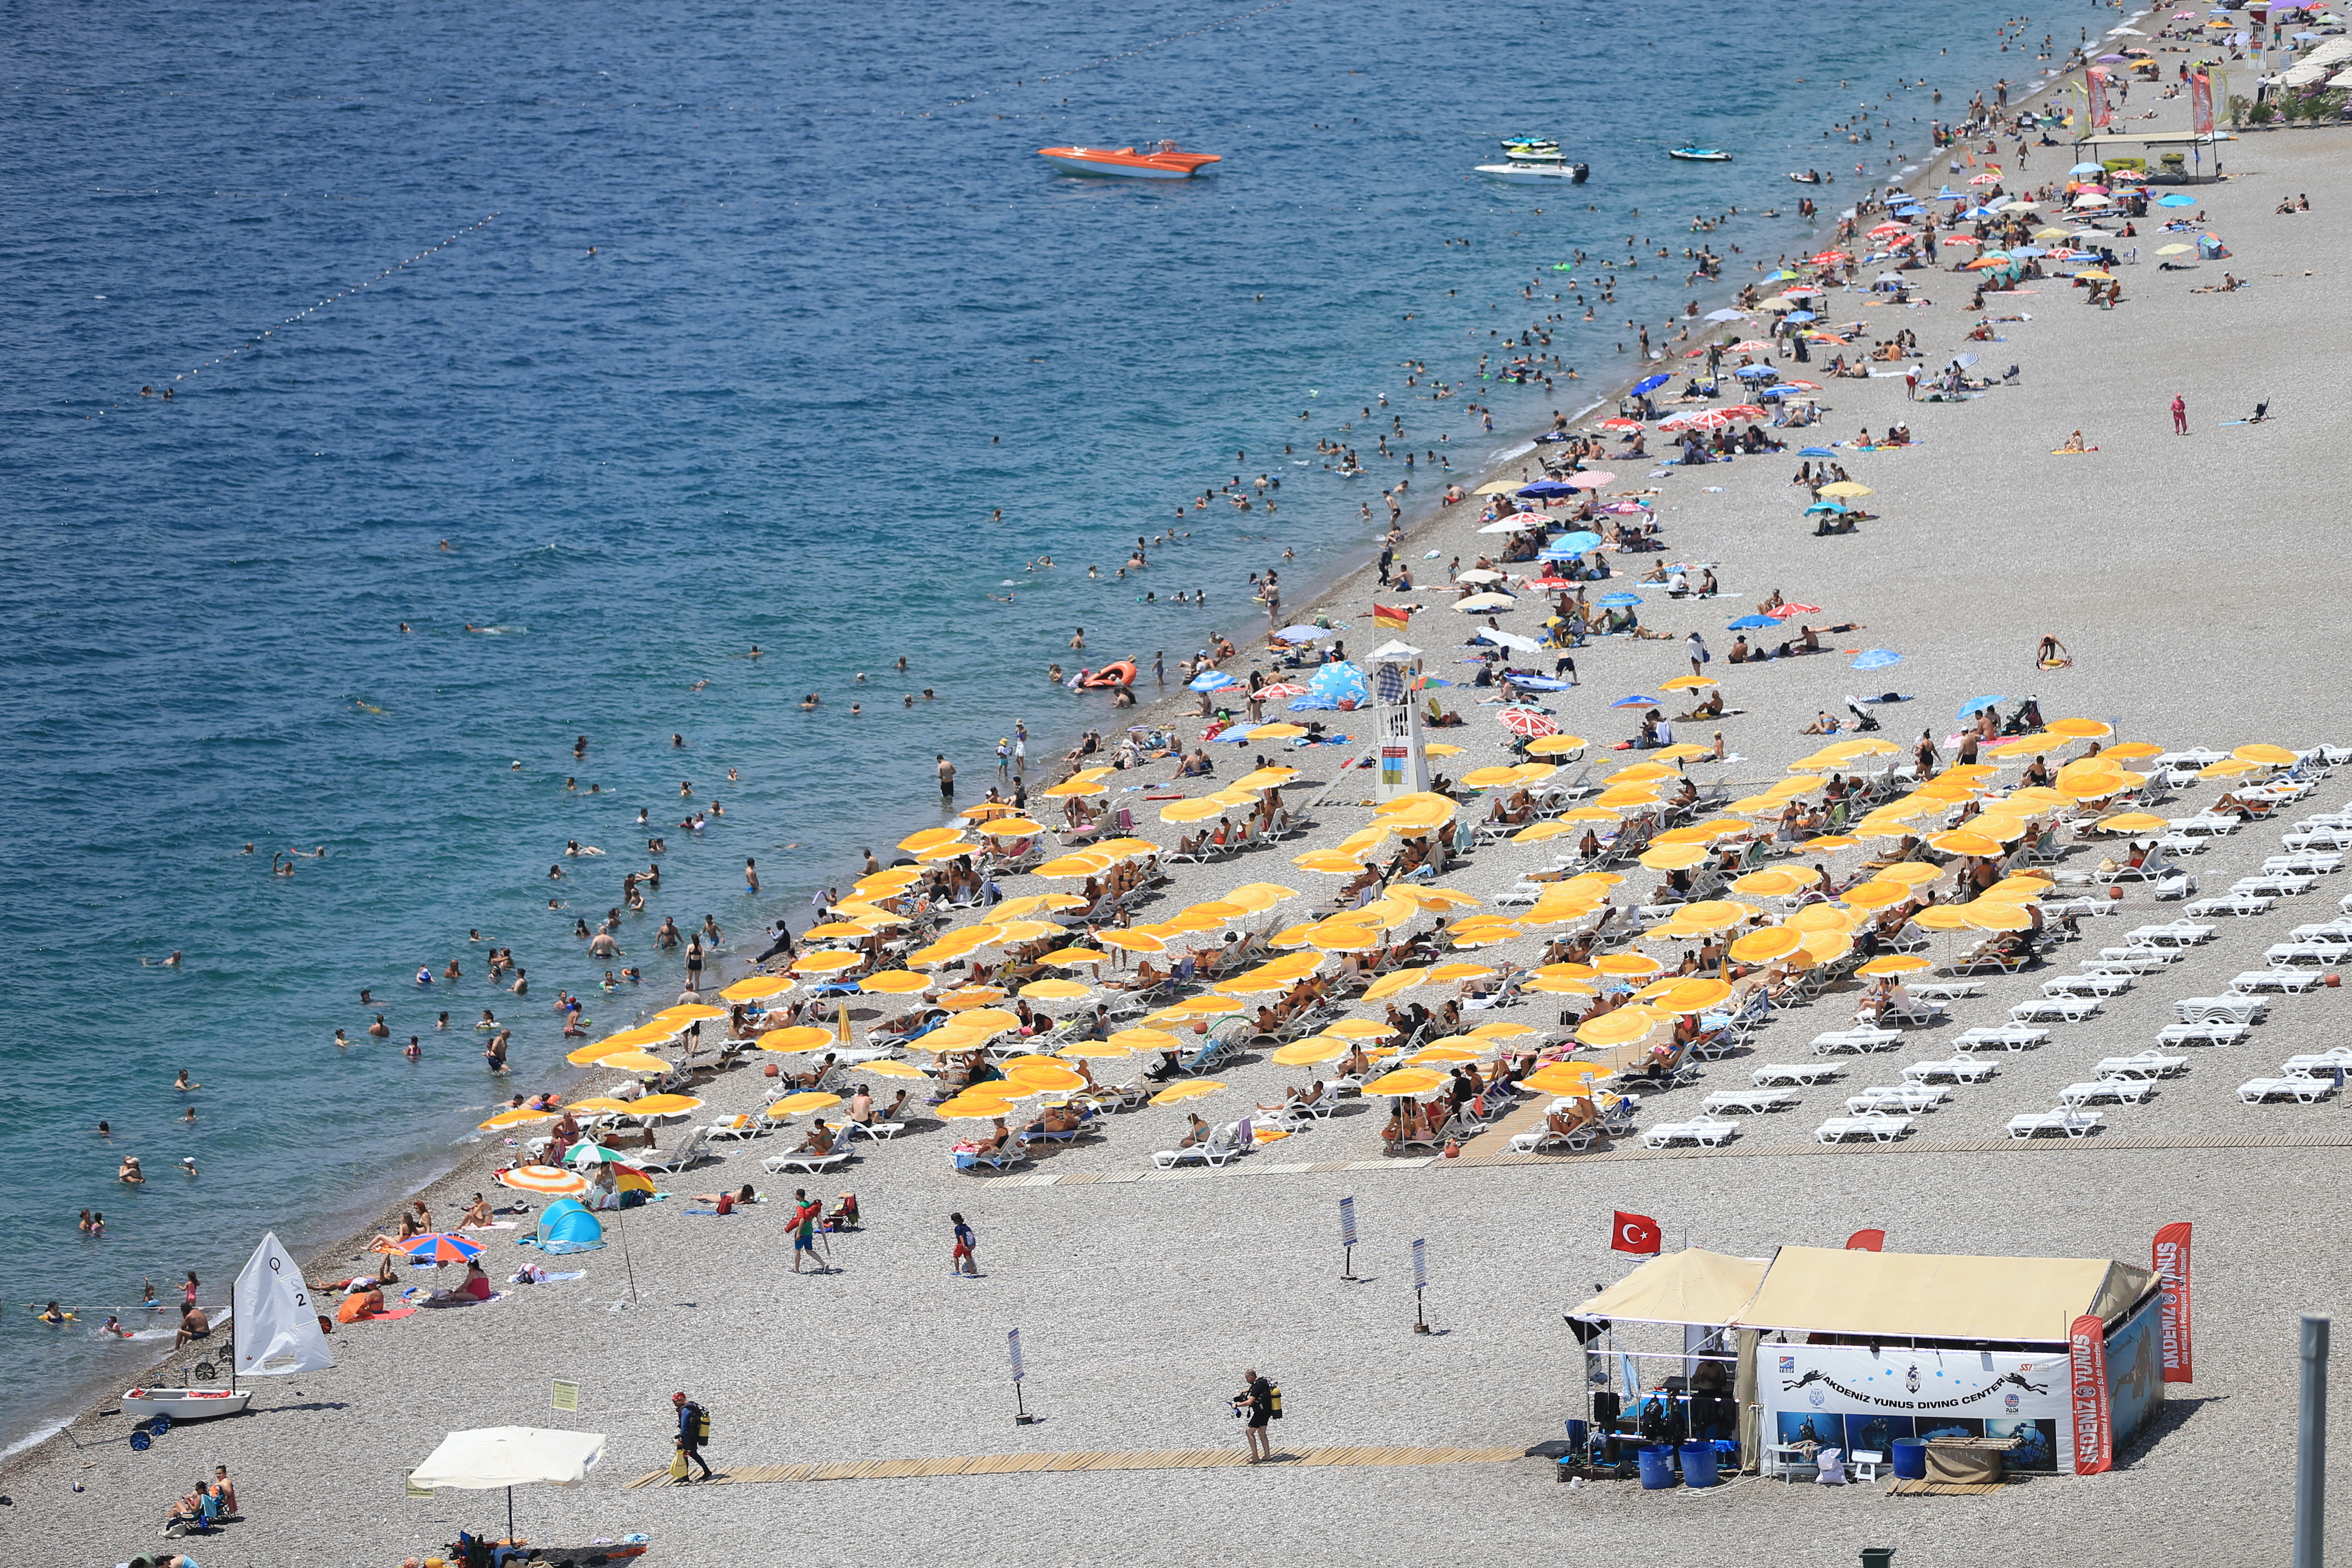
[(1021, 1417), (1419, 1283), (1348, 1241)]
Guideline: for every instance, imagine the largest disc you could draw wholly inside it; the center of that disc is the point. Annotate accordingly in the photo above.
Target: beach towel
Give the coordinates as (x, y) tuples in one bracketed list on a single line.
[(394, 1315)]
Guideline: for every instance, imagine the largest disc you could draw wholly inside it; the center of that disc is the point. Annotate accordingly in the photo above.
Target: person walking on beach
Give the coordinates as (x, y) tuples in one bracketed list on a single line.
[(1255, 1404), (2179, 415), (961, 1260), (693, 1431), (805, 1218), (1696, 648)]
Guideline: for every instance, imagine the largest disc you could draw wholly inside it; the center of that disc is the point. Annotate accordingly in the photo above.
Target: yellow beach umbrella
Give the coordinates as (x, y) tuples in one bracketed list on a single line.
[(2132, 751), (520, 1116), (1940, 917), (634, 1061), (1429, 1054), (1308, 1052), (1394, 981), (1773, 881), (1826, 946), (1555, 745), (759, 987), (1055, 1079), (1961, 841), (1194, 811), (1626, 965), (1875, 894), (971, 1108), (1490, 777), (600, 1104), (929, 839), (895, 983), (1695, 994), (1329, 862), (828, 961), (1763, 947), (1846, 487), (1820, 918), (1830, 843), (1454, 974), (1055, 990), (1556, 986), (1360, 1029), (2262, 752), (1910, 874), (1133, 940), (1673, 857), (583, 1055), (2081, 728), (1687, 683), (1622, 1027), (799, 1038), (1535, 832), (888, 1069), (665, 1104), (1995, 914), (1406, 1081), (1570, 1078), (838, 930), (1893, 964), (964, 997), (1177, 1093), (686, 1013)]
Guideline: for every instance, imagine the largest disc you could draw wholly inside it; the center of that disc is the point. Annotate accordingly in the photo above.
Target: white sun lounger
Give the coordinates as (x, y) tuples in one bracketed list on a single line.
[(2274, 884), (2178, 934), (775, 1165), (2144, 1064), (1752, 1102), (2307, 1091), (2073, 1010), (1882, 1128), (1958, 1068), (2202, 1034), (2133, 960), (2123, 1090), (1804, 1072), (2310, 863), (2234, 1008), (2291, 982), (2241, 905), (2317, 839), (2327, 955), (2010, 1037), (2086, 986), (1884, 1098), (2318, 1065), (2073, 1123), (1858, 1040), (1944, 990), (1710, 1133), (2321, 929)]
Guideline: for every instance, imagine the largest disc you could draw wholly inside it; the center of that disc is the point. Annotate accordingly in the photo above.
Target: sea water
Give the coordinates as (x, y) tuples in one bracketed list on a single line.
[(600, 344)]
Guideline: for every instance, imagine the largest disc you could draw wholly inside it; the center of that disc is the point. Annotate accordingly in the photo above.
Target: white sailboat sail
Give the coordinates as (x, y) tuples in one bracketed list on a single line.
[(276, 1321)]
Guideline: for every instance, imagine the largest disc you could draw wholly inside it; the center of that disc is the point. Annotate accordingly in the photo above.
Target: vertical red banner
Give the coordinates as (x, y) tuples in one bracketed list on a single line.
[(2174, 1318), (2095, 1445), (2201, 103), (2095, 83)]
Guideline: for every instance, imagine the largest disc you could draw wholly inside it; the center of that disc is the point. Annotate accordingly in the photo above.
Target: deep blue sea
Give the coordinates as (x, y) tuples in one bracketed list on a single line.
[(775, 311)]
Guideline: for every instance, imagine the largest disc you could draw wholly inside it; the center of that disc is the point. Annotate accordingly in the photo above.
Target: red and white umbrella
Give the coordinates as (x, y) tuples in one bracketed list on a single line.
[(1791, 610), (1831, 258), (1547, 583), (1282, 689), (1590, 479), (549, 1181), (1962, 239), (1527, 721), (1740, 410), (1752, 346), (1985, 180), (1801, 384), (1887, 231), (1620, 424)]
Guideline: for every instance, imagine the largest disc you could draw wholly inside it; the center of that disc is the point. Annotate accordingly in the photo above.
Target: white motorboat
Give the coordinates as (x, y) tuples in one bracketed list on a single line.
[(1530, 172)]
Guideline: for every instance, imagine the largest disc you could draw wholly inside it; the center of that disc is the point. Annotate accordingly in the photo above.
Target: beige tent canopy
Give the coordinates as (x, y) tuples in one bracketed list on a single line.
[(1694, 1286), (1894, 1295)]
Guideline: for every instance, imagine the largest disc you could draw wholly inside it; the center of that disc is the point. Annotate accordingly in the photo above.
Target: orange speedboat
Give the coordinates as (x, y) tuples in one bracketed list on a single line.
[(1165, 162)]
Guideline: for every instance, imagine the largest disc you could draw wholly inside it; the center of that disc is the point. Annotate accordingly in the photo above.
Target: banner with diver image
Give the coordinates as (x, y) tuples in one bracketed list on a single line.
[(1850, 1397)]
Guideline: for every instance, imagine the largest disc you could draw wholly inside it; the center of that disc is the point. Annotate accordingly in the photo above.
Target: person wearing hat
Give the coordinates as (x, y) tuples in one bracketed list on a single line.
[(693, 1430)]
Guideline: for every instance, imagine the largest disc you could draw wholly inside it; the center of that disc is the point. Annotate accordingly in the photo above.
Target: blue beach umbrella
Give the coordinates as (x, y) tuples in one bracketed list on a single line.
[(1650, 383), (1215, 680), (1978, 704), (1726, 315), (1543, 489), (1751, 622), (1832, 505), (1876, 659), (1802, 316), (1949, 194), (2176, 201), (1756, 372), (1569, 545), (1301, 633), (1618, 601), (1636, 700)]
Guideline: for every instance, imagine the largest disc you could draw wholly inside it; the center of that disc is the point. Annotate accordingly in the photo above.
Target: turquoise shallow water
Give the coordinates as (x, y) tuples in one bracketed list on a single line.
[(777, 307)]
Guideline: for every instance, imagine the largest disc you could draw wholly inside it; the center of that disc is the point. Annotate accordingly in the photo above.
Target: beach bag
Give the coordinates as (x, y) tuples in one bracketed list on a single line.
[(677, 1465)]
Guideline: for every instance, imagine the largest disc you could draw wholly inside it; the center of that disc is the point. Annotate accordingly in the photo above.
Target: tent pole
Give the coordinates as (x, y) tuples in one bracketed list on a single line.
[(509, 1516)]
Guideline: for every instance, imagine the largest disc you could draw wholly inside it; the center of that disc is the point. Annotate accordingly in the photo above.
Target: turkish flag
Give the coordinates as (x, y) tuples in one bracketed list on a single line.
[(1866, 1241), (1635, 1233)]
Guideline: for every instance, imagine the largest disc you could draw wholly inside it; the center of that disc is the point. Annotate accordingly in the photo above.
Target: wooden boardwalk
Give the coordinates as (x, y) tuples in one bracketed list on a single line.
[(1084, 1460)]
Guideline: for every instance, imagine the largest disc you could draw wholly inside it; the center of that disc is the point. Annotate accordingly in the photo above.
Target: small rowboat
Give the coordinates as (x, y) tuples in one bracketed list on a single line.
[(1699, 154), (184, 1404), (1165, 162)]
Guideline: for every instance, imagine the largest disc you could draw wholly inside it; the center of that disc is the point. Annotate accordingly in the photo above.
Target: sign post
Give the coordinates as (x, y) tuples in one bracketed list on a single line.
[(1348, 1241), (566, 1396), (2176, 1320), (1396, 718), (1419, 1283), (2094, 1449)]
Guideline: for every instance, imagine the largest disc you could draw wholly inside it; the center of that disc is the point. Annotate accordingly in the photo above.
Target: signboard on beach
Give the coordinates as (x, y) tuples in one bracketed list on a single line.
[(1404, 767), (2201, 103), (2095, 83), (2094, 1447), (567, 1396), (2174, 1319)]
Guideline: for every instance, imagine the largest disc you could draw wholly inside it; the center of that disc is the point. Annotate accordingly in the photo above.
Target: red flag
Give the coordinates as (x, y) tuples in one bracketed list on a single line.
[(1866, 1241), (2173, 1316), (1635, 1233), (2201, 104), (2094, 82), (2093, 1434), (1389, 619)]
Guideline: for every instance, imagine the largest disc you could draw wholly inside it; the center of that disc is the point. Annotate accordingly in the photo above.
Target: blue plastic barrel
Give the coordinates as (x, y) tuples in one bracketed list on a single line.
[(1579, 1437), (1910, 1459), (1698, 1464), (1657, 1466)]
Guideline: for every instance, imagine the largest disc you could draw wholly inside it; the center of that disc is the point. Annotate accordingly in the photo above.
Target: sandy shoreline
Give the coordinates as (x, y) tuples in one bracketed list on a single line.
[(1967, 515)]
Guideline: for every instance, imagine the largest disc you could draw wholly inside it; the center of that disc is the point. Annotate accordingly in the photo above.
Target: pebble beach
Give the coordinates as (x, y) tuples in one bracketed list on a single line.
[(2188, 576)]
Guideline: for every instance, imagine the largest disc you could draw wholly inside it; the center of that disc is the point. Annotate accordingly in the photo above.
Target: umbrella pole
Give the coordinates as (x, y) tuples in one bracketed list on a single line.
[(621, 1229), (509, 1516)]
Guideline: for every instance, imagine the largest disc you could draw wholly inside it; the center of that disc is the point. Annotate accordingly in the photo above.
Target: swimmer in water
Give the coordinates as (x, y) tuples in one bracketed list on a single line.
[(754, 653), (698, 685), (182, 1085)]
